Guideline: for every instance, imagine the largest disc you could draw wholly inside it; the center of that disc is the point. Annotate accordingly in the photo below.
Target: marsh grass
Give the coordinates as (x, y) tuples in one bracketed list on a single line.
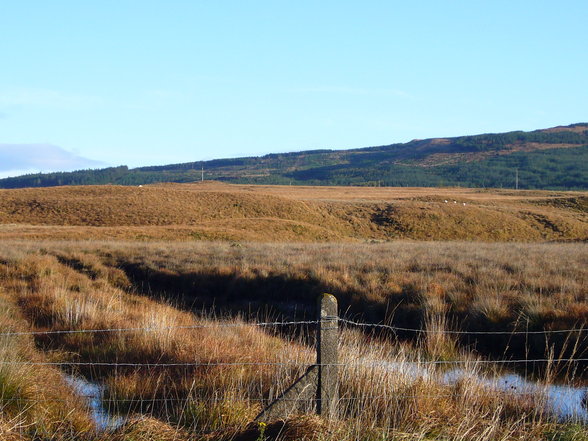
[(35, 401), (468, 286), (389, 387)]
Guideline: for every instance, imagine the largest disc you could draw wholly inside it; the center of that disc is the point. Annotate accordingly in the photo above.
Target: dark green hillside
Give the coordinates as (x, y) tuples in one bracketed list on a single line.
[(554, 158), (557, 169)]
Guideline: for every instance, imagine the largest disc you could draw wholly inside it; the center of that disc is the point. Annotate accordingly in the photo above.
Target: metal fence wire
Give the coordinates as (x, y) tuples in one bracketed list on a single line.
[(325, 324)]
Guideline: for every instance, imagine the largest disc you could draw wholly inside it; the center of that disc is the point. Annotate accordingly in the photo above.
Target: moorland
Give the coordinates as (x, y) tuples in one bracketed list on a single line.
[(218, 211), (186, 273)]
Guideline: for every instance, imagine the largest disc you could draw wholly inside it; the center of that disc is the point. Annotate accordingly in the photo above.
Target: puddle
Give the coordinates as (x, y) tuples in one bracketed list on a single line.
[(564, 402), (94, 394)]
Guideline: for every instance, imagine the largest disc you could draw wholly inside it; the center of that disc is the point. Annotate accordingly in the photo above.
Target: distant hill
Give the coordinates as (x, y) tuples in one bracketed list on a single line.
[(555, 158), (231, 212)]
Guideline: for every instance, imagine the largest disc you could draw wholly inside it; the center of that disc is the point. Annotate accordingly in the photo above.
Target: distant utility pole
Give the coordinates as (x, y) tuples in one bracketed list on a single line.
[(202, 174), (517, 178)]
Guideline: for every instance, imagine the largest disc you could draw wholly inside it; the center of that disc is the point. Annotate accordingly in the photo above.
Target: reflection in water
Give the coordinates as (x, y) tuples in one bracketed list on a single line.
[(565, 402), (93, 394)]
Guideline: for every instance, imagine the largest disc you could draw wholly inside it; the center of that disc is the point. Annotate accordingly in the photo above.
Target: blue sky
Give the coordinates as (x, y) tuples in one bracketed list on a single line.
[(89, 84)]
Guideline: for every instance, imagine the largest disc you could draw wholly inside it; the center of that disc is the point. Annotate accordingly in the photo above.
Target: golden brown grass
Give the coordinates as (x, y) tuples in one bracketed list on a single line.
[(471, 286), (74, 286), (213, 211), (54, 296), (35, 401), (428, 285)]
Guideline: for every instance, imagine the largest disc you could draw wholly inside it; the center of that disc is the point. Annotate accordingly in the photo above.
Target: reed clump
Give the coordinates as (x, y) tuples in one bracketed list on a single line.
[(35, 401)]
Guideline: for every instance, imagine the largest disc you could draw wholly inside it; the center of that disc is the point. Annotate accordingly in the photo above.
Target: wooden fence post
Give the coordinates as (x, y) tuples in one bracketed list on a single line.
[(327, 357)]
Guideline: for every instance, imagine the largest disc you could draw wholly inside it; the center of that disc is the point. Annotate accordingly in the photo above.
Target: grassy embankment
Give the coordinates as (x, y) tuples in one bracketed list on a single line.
[(73, 286), (213, 211)]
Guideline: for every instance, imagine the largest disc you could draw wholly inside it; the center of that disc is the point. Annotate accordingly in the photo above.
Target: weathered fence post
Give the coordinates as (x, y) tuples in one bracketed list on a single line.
[(320, 380), (327, 357)]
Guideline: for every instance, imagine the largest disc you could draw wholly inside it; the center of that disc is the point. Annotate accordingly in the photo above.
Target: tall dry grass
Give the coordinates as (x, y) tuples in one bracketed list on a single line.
[(35, 401), (469, 286), (389, 389), (54, 296)]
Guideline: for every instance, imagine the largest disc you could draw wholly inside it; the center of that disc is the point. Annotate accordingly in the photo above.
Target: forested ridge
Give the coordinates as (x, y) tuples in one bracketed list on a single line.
[(554, 158)]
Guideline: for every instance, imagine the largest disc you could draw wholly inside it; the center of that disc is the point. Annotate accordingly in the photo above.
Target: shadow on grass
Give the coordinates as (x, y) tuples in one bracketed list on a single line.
[(268, 297), (263, 297)]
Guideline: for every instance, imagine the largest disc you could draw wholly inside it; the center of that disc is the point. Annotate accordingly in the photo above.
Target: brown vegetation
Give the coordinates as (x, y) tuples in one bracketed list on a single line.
[(213, 211), (193, 303), (436, 159), (35, 401), (63, 286), (475, 286)]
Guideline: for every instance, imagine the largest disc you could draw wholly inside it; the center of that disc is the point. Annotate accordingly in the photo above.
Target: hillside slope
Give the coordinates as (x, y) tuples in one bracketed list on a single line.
[(210, 211), (555, 158)]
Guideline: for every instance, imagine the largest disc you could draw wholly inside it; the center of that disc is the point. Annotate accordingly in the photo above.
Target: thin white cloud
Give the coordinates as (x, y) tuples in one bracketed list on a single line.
[(16, 159), (46, 98)]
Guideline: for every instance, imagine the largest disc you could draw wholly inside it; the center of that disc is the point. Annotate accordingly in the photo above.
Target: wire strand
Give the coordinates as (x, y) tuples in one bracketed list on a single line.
[(119, 364), (153, 329), (376, 363), (293, 323), (443, 331)]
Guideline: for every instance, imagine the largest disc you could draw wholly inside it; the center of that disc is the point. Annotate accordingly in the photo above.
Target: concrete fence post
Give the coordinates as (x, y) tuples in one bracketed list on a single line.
[(320, 383), (327, 357)]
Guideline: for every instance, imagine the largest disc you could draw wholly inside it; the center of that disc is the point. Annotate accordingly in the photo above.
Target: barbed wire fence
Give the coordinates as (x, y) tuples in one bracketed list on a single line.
[(317, 390)]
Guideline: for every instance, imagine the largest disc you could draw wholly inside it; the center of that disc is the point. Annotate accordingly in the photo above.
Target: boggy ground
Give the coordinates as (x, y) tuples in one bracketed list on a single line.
[(216, 211), (261, 265), (469, 286), (62, 286)]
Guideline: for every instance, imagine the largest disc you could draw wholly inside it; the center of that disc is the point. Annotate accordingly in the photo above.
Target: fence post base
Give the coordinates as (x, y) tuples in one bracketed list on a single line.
[(286, 404), (321, 380)]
